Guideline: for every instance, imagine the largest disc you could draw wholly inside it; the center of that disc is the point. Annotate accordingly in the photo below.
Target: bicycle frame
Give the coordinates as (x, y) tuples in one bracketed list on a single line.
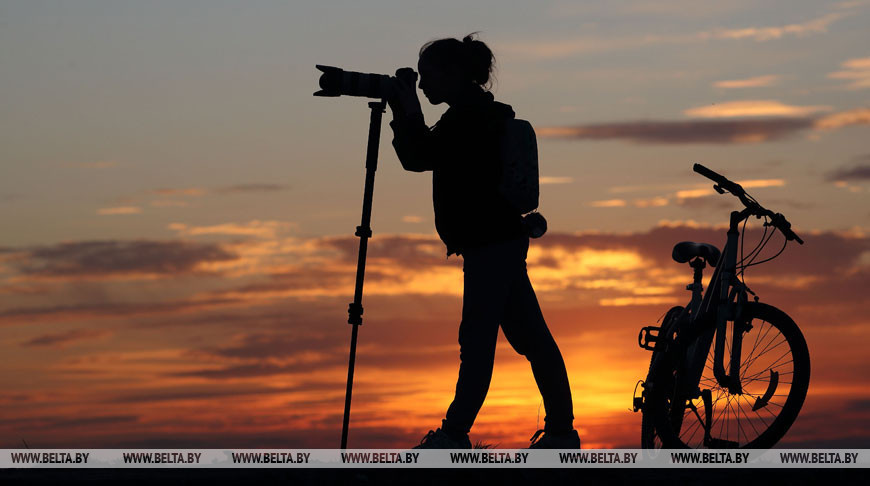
[(724, 299)]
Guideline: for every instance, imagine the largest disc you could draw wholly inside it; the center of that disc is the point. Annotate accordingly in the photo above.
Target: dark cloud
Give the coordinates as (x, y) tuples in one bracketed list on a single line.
[(256, 370), (857, 172), (254, 187), (66, 338), (822, 254), (860, 405), (11, 398), (24, 289), (118, 258), (726, 203), (269, 345), (208, 393), (414, 354), (685, 132), (53, 423), (171, 191), (105, 310), (410, 252), (300, 279), (705, 202)]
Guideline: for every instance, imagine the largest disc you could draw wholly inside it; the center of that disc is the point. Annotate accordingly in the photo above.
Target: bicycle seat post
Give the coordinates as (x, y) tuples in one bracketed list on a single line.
[(697, 288)]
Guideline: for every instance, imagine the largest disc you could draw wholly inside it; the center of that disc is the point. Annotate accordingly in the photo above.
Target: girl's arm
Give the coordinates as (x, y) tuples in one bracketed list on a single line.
[(416, 145)]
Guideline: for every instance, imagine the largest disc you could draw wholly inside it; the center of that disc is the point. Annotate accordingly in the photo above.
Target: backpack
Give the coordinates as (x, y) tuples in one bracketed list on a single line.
[(519, 156), (519, 178)]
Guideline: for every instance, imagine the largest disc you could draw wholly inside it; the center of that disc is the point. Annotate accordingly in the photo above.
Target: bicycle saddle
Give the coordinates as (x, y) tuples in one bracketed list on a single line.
[(686, 250)]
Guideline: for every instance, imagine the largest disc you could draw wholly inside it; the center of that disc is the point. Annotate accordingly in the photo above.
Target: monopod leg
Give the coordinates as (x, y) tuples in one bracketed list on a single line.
[(364, 231)]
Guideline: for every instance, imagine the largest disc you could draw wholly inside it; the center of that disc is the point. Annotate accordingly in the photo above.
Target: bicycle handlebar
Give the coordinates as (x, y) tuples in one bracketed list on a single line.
[(720, 180), (723, 184)]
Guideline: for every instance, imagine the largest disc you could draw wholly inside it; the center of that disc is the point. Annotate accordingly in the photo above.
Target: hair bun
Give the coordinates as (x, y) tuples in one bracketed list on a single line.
[(472, 55)]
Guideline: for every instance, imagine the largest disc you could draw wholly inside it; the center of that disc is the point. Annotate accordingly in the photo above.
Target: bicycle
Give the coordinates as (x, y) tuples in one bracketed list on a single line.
[(703, 388)]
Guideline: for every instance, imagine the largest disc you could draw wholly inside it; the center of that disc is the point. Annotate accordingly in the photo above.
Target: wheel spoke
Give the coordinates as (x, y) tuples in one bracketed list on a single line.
[(759, 337), (748, 363), (765, 346)]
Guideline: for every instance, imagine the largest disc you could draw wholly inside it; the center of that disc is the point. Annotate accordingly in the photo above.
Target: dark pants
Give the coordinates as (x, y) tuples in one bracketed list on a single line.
[(498, 291)]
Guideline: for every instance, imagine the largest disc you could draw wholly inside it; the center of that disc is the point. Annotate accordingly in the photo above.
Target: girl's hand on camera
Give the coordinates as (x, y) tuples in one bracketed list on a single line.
[(404, 101)]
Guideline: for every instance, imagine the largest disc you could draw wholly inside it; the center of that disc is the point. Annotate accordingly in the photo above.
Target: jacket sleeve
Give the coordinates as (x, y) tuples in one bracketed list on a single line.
[(416, 145)]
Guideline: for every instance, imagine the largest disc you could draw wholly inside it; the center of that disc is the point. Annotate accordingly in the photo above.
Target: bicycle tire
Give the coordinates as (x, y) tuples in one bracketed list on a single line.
[(648, 437), (677, 425)]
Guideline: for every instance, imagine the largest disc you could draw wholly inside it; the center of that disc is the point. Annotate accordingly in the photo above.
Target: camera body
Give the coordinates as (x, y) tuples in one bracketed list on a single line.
[(336, 82)]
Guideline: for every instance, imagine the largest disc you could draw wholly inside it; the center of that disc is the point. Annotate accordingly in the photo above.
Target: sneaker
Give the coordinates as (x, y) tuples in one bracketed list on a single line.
[(551, 441), (438, 439)]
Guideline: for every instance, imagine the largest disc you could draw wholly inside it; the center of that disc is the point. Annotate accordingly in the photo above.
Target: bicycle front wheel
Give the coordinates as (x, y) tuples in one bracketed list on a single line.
[(774, 378)]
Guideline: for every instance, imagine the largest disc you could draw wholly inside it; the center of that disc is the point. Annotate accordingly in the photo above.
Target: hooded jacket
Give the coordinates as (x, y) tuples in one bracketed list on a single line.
[(462, 151)]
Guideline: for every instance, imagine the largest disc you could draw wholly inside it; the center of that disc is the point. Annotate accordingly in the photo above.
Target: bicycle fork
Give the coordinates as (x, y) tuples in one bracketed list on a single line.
[(732, 300)]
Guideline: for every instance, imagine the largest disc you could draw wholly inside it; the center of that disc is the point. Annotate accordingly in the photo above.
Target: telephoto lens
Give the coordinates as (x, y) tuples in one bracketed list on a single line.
[(336, 82)]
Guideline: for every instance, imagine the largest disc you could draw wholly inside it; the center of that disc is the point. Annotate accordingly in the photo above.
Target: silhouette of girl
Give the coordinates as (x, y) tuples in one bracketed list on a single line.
[(474, 220)]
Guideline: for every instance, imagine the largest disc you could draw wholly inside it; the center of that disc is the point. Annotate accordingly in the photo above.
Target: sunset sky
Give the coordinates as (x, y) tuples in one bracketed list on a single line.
[(178, 211)]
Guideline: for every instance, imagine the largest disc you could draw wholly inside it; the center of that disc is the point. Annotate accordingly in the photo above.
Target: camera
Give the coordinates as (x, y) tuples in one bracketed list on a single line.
[(534, 224), (336, 82)]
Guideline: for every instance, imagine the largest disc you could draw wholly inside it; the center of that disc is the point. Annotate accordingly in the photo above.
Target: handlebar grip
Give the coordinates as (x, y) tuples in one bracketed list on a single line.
[(721, 181), (709, 174)]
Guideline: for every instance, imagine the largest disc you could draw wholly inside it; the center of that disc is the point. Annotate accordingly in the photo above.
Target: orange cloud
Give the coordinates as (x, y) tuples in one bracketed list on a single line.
[(650, 203), (168, 203), (119, 210), (736, 109), (260, 229), (754, 82), (747, 184), (858, 116), (609, 203), (556, 180), (537, 49), (857, 71), (762, 34)]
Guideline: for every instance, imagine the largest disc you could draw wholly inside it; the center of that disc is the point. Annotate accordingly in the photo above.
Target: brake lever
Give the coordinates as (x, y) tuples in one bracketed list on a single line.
[(779, 221), (718, 189)]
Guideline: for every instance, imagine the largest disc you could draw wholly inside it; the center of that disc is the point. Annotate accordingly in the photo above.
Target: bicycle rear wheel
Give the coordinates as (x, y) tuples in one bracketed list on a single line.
[(774, 376), (648, 437)]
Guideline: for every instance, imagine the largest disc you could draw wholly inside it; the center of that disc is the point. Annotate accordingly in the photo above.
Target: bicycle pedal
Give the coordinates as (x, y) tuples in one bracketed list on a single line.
[(648, 337)]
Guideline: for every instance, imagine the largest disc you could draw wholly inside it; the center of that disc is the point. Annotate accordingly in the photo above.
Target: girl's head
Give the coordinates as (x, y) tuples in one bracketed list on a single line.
[(449, 67)]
